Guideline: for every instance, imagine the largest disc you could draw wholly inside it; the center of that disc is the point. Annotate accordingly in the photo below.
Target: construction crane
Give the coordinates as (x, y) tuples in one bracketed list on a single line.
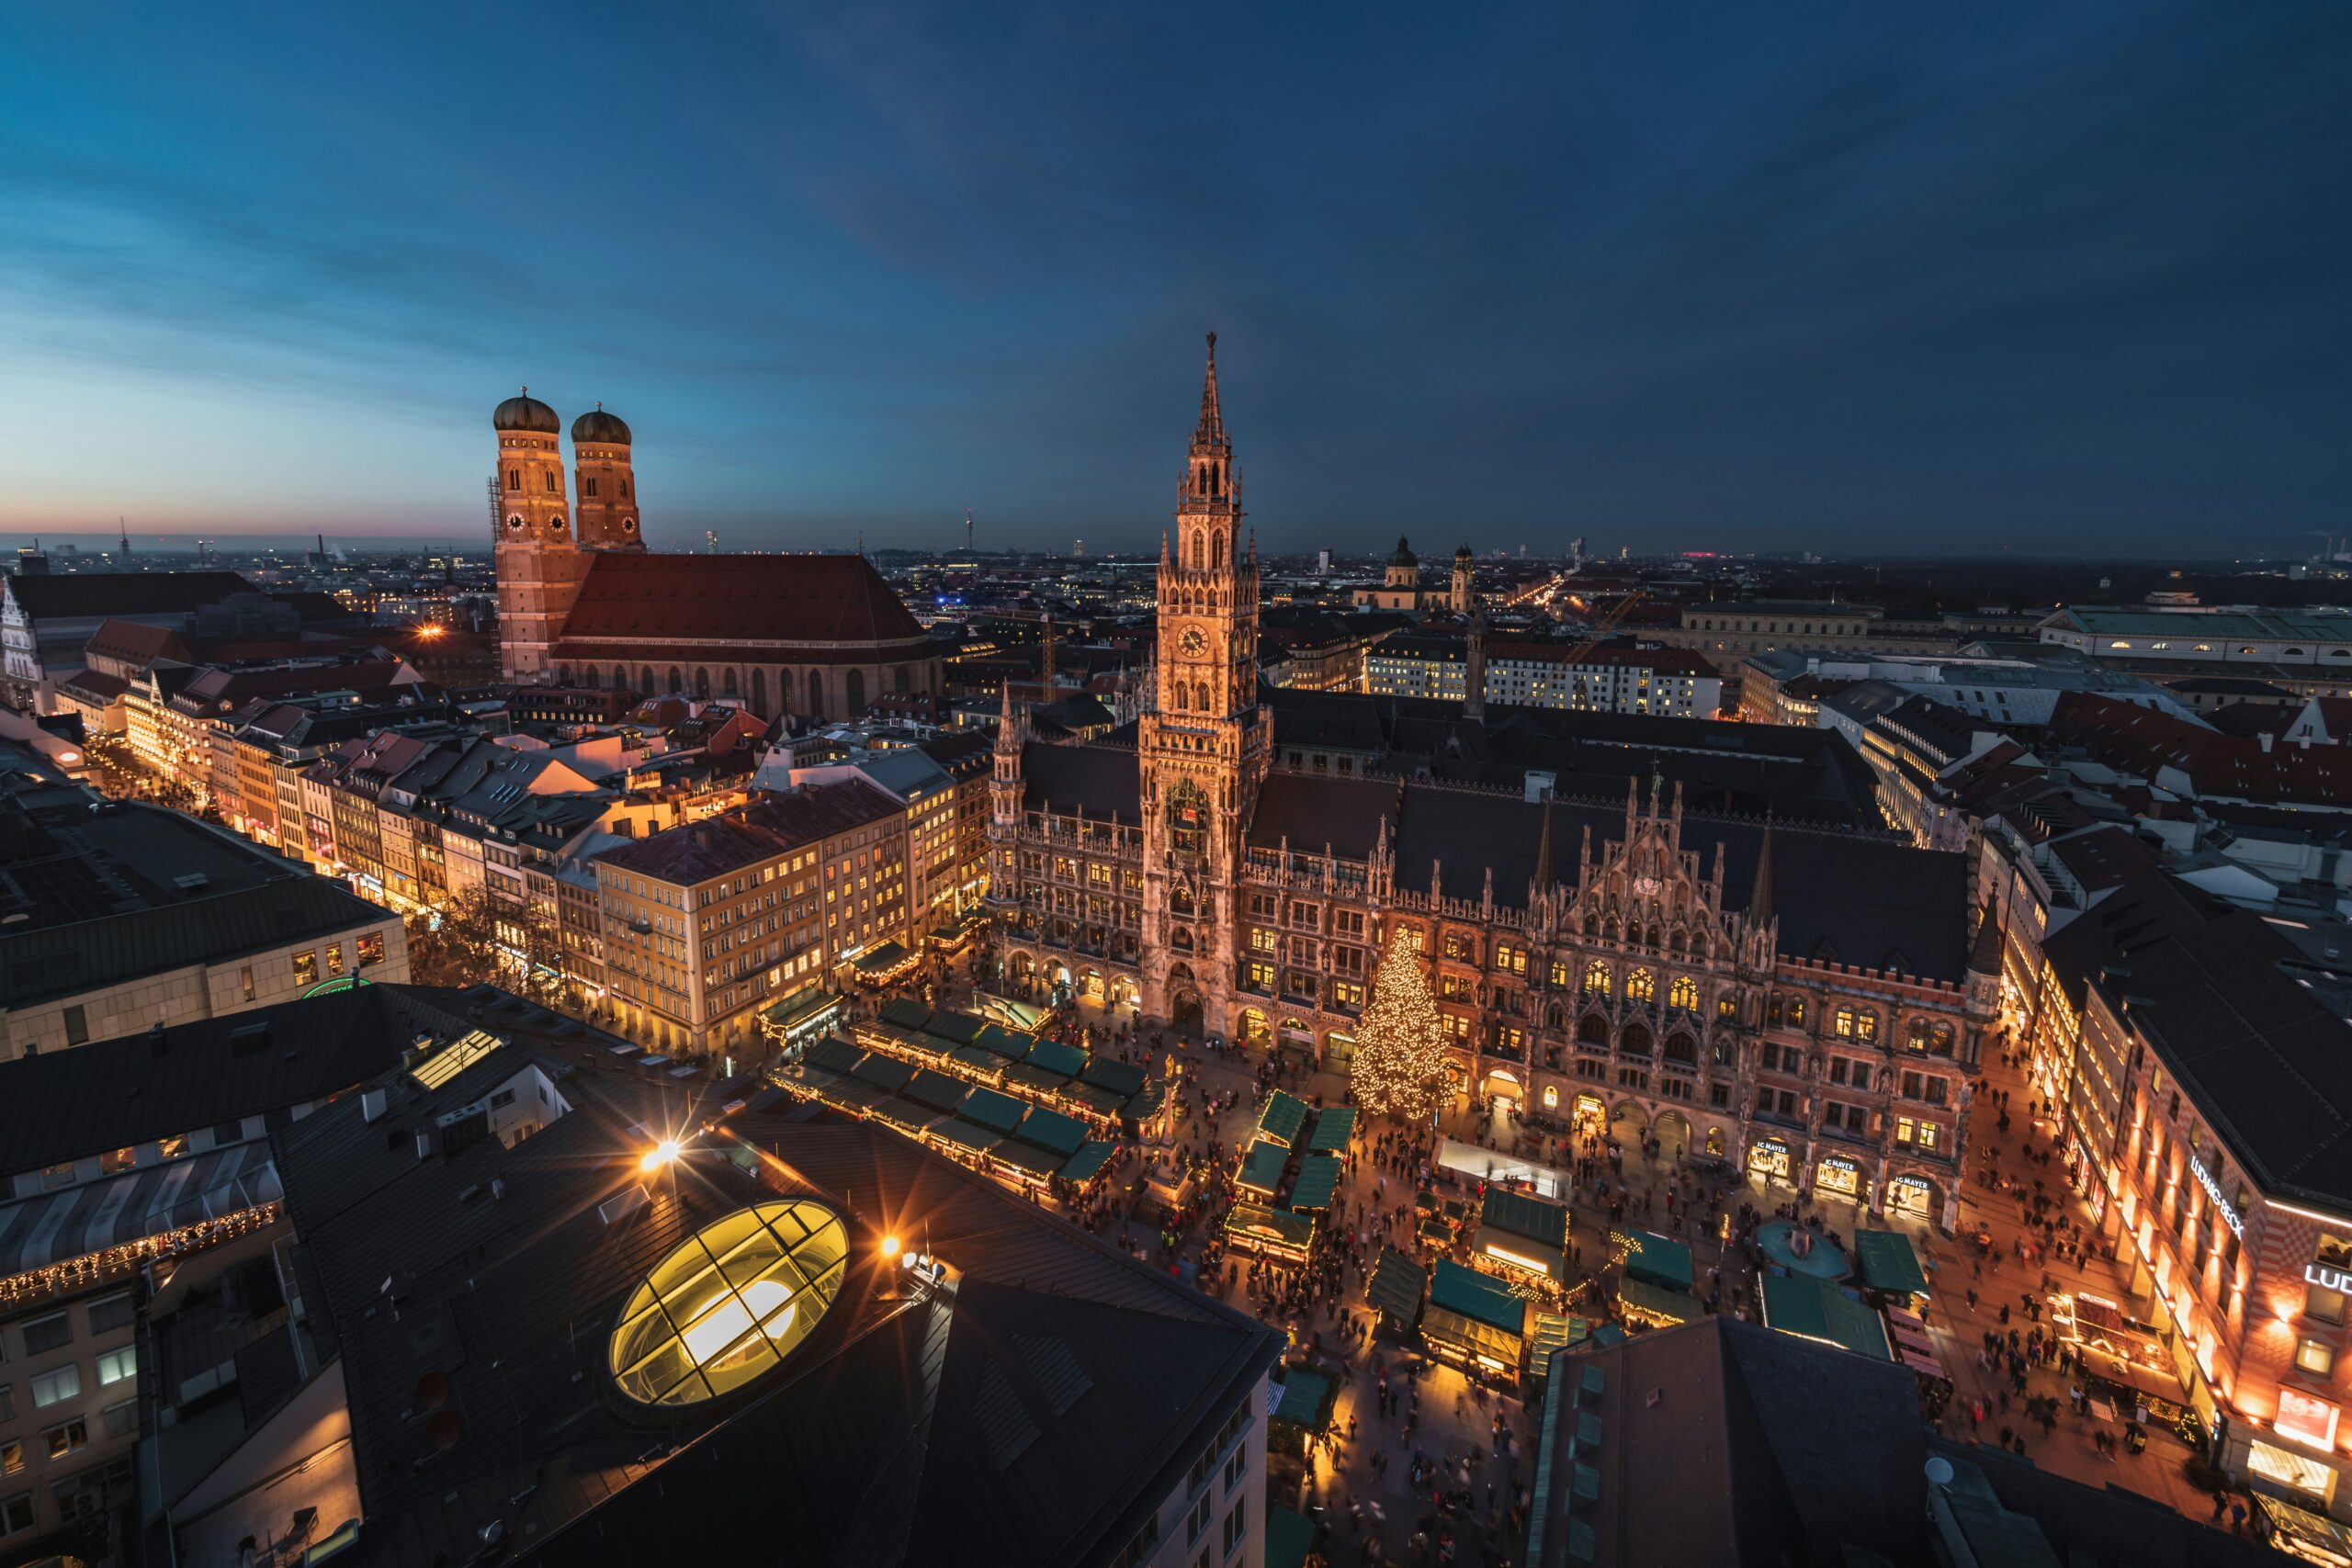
[(1604, 626)]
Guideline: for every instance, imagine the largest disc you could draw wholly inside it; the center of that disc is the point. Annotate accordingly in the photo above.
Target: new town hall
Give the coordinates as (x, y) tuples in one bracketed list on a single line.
[(1807, 1002)]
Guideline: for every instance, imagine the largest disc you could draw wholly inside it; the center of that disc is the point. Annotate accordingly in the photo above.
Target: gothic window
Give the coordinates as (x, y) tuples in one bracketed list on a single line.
[(1217, 550), (1682, 1048), (1183, 698), (677, 682), (760, 692), (730, 684), (1637, 1041), (856, 693), (1201, 698), (513, 479), (903, 680), (624, 486), (1196, 552), (816, 694), (1641, 986), (1940, 1039), (1683, 995), (588, 488), (645, 680), (1796, 1012), (1596, 979), (702, 682), (563, 674), (549, 475)]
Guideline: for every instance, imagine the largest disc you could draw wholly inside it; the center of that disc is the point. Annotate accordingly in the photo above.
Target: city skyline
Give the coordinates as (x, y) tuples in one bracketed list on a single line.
[(1857, 288)]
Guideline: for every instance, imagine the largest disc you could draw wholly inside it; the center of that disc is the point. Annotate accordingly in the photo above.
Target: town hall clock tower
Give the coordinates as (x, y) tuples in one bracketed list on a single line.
[(1203, 740)]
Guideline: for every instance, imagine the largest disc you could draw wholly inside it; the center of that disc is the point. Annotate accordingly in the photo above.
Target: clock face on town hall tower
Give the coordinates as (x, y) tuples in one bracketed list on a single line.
[(1192, 641)]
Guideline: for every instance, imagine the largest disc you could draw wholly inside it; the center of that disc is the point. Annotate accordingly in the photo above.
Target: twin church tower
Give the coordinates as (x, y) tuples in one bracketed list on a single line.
[(545, 547)]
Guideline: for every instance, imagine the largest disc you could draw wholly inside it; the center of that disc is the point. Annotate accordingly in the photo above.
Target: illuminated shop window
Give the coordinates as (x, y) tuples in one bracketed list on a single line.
[(730, 1304)]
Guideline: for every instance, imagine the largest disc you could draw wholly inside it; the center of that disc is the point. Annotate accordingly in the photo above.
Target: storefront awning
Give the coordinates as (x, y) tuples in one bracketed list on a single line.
[(1516, 1251), (1333, 1127), (1888, 1262), (1318, 1180), (1396, 1287), (1814, 1309), (2298, 1532), (1660, 1260), (1263, 1170), (1542, 1224)]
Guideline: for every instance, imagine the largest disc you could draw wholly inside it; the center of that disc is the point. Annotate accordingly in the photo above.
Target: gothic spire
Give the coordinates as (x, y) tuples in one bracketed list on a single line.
[(1210, 434), (1544, 878), (1760, 896)]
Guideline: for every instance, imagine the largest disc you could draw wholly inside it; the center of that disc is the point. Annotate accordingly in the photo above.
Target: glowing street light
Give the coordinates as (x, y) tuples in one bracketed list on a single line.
[(662, 1154)]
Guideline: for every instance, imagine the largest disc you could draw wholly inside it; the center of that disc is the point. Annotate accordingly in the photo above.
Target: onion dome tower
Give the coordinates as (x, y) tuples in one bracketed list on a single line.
[(600, 457), (537, 561)]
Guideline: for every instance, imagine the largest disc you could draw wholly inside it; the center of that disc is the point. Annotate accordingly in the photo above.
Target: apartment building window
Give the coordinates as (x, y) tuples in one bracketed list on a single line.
[(120, 1418), (110, 1314), (306, 968), (114, 1366), (57, 1385), (1197, 1521), (77, 1025), (2316, 1356), (2323, 1304), (12, 1458), (43, 1335), (246, 981), (69, 1438), (1237, 1525), (371, 949)]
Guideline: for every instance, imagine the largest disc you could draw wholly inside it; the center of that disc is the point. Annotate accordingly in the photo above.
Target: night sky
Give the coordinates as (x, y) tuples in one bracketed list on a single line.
[(1870, 279)]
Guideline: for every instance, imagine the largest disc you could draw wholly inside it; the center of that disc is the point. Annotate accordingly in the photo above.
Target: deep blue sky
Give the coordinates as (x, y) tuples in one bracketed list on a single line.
[(1849, 278)]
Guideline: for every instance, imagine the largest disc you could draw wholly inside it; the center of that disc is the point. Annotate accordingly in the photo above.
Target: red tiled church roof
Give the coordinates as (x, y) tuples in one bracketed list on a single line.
[(735, 600)]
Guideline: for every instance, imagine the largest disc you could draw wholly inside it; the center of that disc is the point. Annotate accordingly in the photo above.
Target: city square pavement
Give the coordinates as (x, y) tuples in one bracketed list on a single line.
[(1358, 1483)]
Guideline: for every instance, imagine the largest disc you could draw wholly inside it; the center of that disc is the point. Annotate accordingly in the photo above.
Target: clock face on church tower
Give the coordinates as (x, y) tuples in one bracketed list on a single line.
[(1191, 641)]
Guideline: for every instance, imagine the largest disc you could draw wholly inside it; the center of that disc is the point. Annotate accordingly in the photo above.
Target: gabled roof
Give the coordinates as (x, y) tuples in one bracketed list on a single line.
[(1104, 782), (718, 601)]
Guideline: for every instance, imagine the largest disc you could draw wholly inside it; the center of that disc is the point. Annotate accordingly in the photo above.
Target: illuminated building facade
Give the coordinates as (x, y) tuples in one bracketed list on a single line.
[(1808, 1005)]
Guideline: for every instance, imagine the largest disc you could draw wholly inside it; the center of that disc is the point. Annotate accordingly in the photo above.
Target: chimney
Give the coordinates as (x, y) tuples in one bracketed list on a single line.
[(2265, 738)]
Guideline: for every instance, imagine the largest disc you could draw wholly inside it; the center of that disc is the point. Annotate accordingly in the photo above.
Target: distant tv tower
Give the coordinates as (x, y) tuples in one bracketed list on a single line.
[(124, 528), (967, 530)]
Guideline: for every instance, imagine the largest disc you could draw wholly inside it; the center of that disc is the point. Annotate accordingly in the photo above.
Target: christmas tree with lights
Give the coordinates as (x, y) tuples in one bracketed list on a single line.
[(1400, 1043)]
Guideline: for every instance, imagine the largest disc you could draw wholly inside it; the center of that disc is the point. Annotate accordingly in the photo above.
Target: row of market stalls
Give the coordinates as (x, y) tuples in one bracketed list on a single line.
[(1113, 1099), (1887, 1268), (1289, 1176), (1022, 1144)]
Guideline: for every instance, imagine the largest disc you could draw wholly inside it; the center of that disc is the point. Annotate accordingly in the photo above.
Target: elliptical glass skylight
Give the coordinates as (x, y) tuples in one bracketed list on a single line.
[(730, 1304)]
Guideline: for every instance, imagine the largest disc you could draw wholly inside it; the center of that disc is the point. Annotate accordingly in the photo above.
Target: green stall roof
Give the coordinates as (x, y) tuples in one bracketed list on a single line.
[(936, 1089), (1004, 1042), (998, 1112), (1478, 1297), (1113, 1077), (1290, 1535), (1257, 1220), (1397, 1285), (832, 1053), (1036, 1161), (964, 1135), (1318, 1180), (1282, 1118), (1888, 1262), (907, 1116), (1659, 1260), (961, 1028), (1523, 1214), (1052, 1056), (1263, 1170), (906, 1012), (853, 1094), (1084, 1164), (972, 1059), (1333, 1127), (890, 955), (1099, 1101), (1305, 1396), (1678, 1306), (887, 1071), (1815, 1309), (1051, 1131)]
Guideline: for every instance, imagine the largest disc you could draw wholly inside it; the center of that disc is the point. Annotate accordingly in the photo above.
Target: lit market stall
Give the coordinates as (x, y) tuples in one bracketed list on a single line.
[(1261, 1170), (1474, 1320), (1656, 1287), (1519, 1233), (1395, 1292), (1318, 1182), (1269, 1233), (1282, 1119), (1815, 1309), (1888, 1264)]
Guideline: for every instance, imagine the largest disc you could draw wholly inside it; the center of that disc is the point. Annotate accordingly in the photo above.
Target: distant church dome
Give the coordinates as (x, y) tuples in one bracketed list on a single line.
[(527, 413), (1463, 554), (1404, 555), (603, 429)]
